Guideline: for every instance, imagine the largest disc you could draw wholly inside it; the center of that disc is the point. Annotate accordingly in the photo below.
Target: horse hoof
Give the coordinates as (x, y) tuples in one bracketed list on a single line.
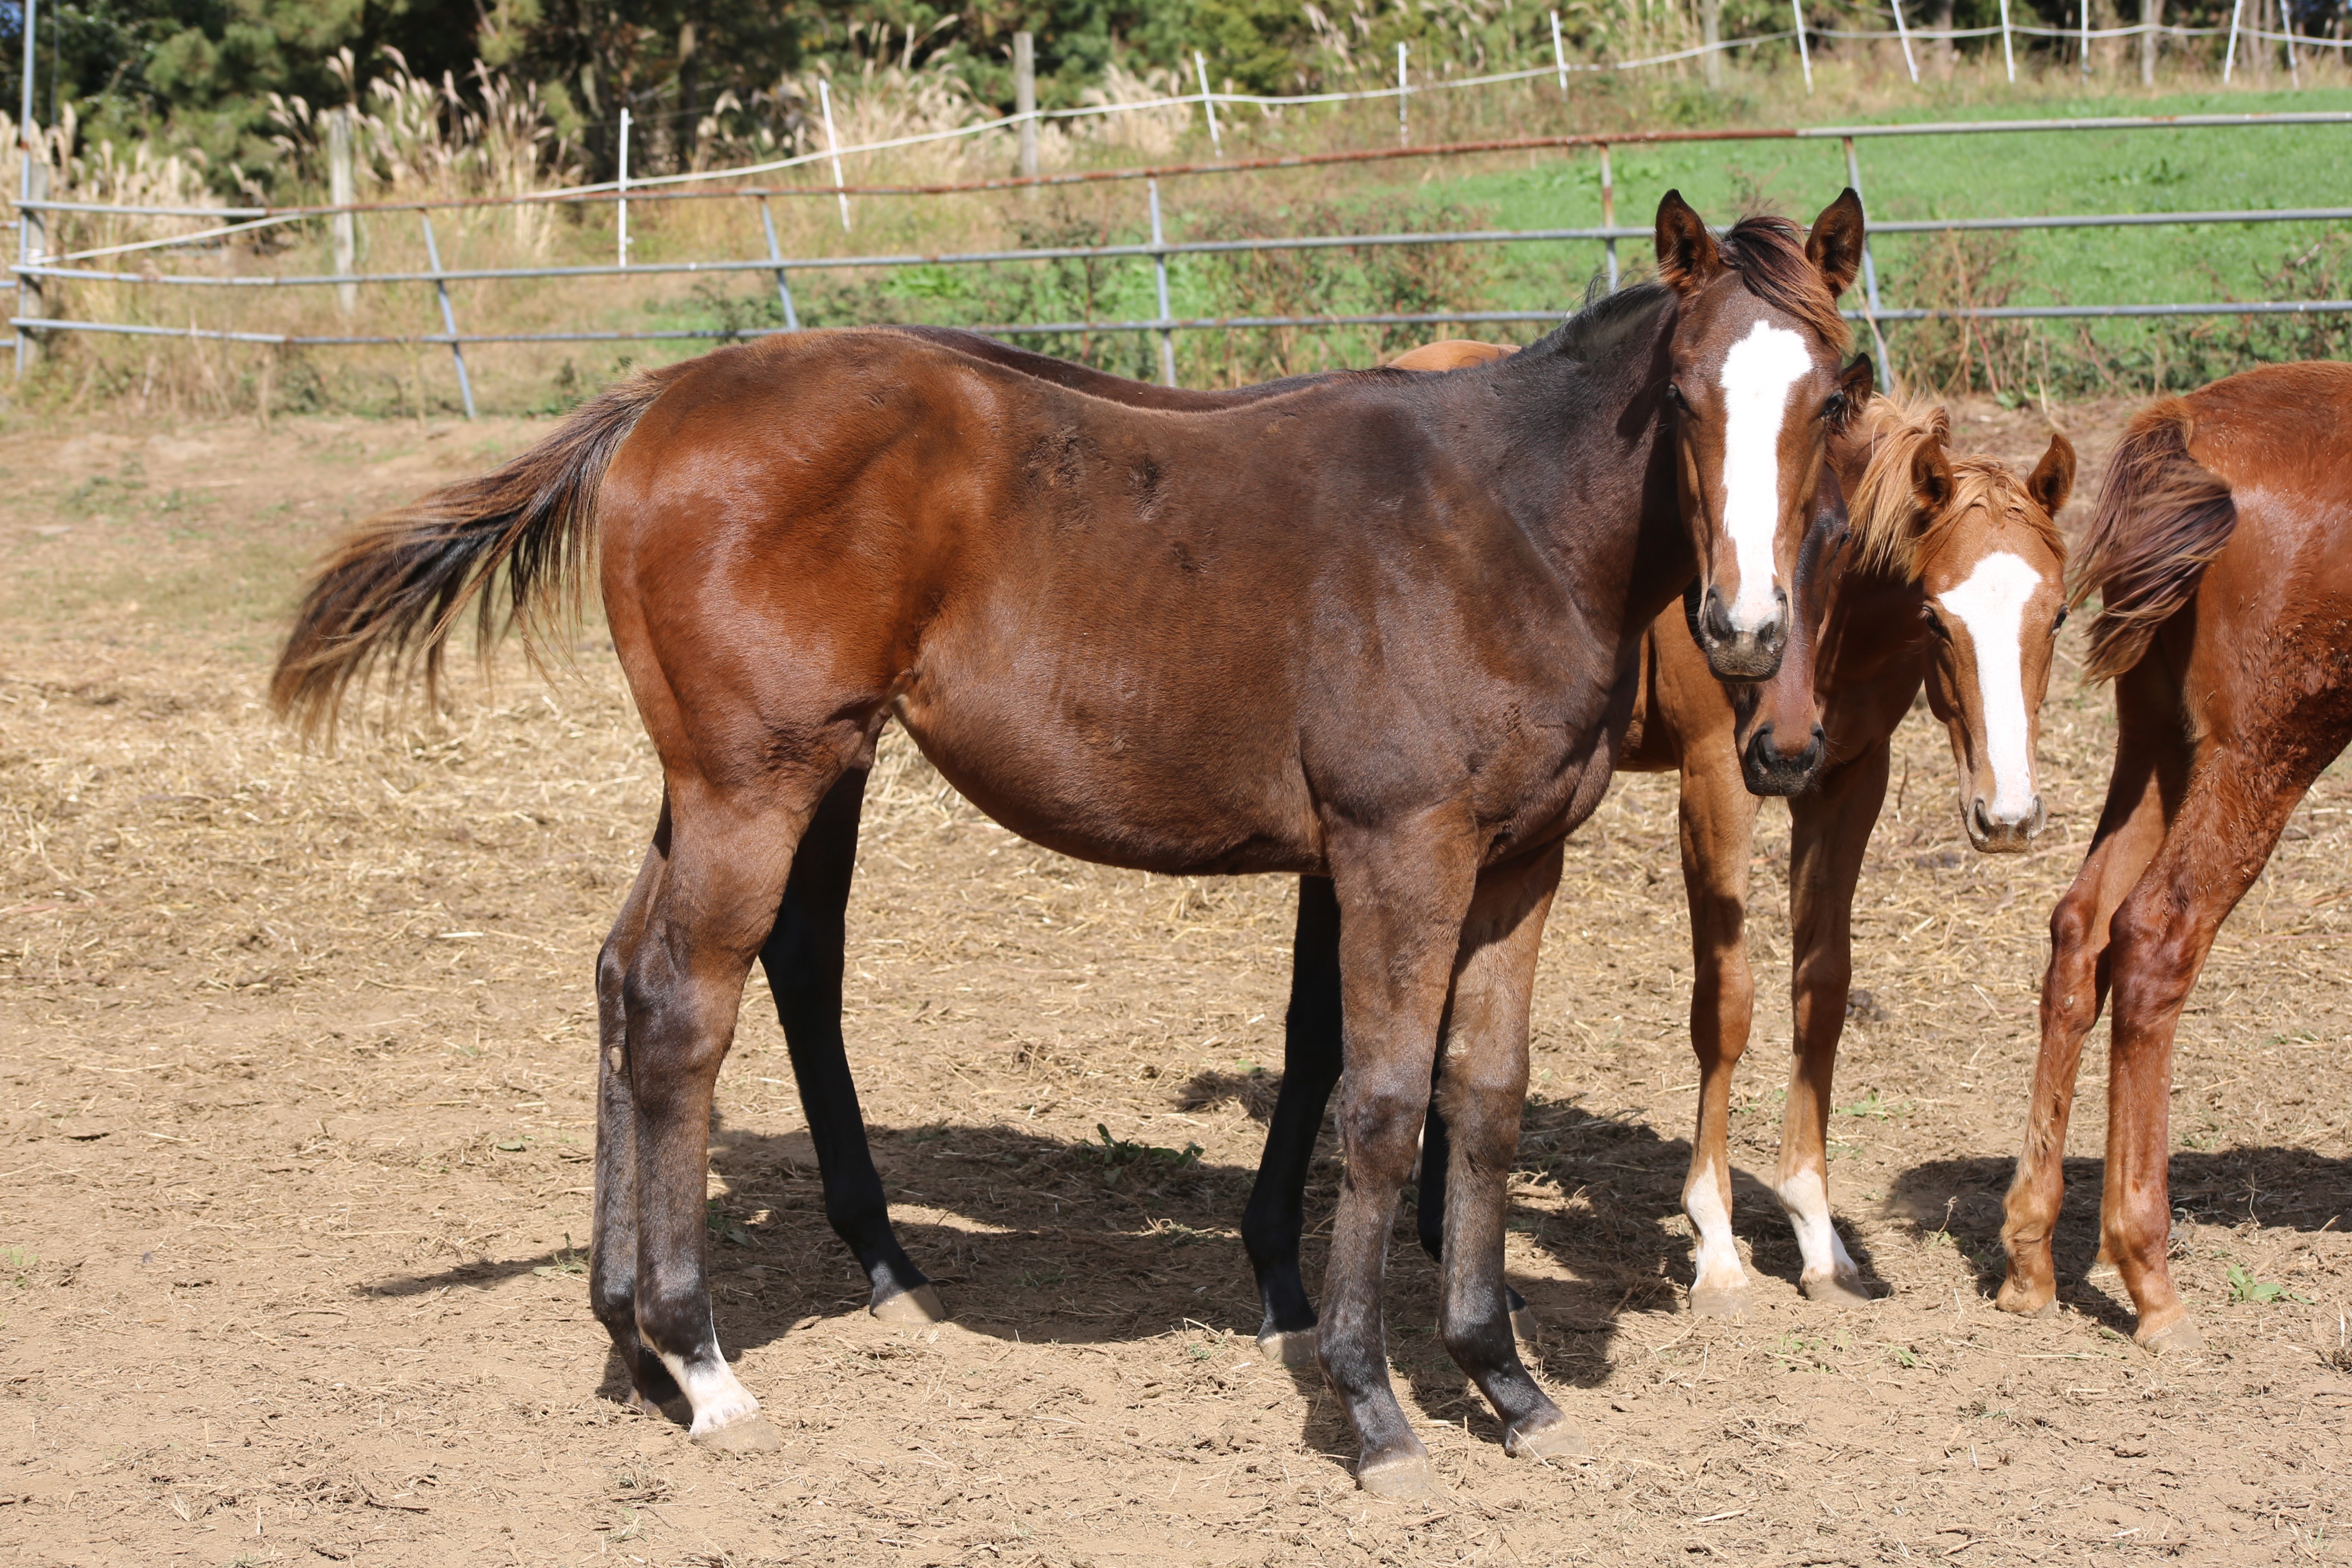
[(1524, 1327), (2179, 1338), (642, 1403), (1402, 1479), (1716, 1301), (2025, 1301), (919, 1305), (1834, 1292), (1292, 1348), (1557, 1441), (744, 1435)]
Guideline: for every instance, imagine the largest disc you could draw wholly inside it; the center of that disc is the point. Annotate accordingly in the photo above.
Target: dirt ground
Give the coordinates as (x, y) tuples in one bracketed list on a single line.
[(296, 1052)]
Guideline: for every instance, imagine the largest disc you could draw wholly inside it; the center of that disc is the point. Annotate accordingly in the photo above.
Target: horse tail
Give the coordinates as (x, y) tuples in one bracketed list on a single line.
[(392, 593), (2162, 515)]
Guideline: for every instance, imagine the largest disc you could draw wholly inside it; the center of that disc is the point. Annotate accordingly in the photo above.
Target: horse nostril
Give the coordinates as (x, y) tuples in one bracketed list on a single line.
[(1982, 818)]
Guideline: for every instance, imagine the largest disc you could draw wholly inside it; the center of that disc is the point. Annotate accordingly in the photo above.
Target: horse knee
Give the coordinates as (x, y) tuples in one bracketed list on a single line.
[(2151, 956), (1380, 1127)]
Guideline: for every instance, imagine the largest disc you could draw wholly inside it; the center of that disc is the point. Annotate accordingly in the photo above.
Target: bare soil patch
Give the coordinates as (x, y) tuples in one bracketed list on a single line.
[(294, 1121)]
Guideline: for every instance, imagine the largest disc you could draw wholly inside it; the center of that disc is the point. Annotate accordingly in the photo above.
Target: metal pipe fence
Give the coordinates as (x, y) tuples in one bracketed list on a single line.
[(33, 272)]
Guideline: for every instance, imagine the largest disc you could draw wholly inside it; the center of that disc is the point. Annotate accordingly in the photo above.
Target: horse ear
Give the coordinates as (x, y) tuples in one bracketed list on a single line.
[(1931, 478), (2053, 477), (1857, 381), (1687, 258), (1835, 246)]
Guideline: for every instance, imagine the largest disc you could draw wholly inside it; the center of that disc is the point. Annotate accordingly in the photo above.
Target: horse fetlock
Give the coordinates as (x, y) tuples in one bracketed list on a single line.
[(711, 1387)]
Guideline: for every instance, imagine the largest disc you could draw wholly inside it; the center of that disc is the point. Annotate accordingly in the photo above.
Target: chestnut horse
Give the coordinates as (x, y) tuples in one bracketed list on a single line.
[(1155, 640), (2220, 553)]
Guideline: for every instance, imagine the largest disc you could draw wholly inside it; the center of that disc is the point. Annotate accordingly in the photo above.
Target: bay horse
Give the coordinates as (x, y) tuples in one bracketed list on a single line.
[(1954, 580), (1152, 639), (2219, 550)]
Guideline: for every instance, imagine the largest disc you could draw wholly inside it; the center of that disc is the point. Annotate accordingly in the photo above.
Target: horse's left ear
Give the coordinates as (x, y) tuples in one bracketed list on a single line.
[(1856, 381), (2053, 476), (1687, 258), (1834, 247)]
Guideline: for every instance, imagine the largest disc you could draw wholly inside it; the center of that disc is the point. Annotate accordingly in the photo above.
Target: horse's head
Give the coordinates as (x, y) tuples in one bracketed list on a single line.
[(1984, 548), (1778, 728), (1757, 385)]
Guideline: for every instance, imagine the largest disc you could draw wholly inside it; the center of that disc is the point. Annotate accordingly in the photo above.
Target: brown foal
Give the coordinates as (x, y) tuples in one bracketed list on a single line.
[(1955, 579), (2219, 553), (1158, 640)]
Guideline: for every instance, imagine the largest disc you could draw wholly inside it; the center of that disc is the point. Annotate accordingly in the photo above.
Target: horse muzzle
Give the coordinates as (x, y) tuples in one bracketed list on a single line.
[(2001, 833), (1768, 770), (1733, 654)]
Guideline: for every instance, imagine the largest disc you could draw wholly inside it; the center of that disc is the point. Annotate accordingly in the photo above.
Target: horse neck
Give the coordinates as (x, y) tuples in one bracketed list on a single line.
[(1611, 494)]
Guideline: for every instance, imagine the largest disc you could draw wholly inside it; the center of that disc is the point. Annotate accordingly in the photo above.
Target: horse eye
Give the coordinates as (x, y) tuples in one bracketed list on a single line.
[(1834, 412), (1675, 395), (1935, 621), (2059, 622)]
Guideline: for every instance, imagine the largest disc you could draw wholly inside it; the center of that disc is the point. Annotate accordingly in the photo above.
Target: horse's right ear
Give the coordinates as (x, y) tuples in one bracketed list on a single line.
[(1835, 246), (1687, 258), (1931, 478)]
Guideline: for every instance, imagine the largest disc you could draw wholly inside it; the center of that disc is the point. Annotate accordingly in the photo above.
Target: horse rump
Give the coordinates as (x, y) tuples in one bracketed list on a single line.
[(392, 591), (2162, 515)]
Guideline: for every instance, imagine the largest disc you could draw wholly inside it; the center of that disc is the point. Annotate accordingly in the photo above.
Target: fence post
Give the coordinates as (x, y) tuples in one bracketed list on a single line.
[(2286, 27), (1710, 33), (776, 254), (32, 297), (2229, 55), (1902, 31), (1559, 54), (1405, 131), (1805, 54), (449, 316), (2151, 17), (343, 227), (1609, 214), (1208, 105), (2087, 40), (2007, 51), (1025, 99), (28, 292), (833, 146), (1869, 273), (620, 234), (1160, 265)]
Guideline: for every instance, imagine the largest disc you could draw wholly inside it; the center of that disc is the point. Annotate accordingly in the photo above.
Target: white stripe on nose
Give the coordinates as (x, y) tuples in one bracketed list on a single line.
[(1991, 605), (1756, 375)]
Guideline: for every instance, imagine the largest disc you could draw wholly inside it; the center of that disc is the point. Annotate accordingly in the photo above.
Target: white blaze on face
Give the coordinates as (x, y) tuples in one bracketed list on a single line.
[(1991, 605), (1756, 375)]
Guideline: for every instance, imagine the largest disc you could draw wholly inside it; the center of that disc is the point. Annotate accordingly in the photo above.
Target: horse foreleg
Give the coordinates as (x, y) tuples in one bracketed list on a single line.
[(1718, 826), (612, 1244), (2150, 758), (2238, 802), (1272, 1224), (1482, 1086), (1829, 830), (803, 958), (1403, 895), (726, 858)]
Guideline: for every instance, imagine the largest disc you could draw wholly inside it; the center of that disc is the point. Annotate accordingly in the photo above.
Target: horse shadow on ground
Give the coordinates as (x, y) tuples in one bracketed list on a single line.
[(2268, 1185), (1123, 1237)]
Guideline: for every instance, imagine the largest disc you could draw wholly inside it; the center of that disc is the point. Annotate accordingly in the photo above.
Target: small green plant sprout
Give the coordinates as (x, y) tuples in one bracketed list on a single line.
[(725, 1227), (1875, 1108), (1117, 1152), (569, 1259), (20, 1262), (2247, 1290), (1038, 1278)]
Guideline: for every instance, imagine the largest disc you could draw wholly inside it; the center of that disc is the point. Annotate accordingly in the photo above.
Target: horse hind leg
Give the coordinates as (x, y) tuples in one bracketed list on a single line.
[(803, 958), (612, 1250), (726, 860), (1275, 1218), (2239, 802), (2151, 759)]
